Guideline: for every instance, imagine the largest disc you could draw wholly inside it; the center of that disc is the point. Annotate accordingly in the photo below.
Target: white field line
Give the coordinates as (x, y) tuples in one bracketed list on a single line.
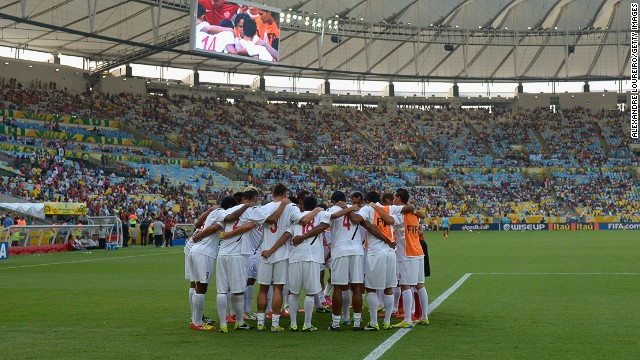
[(83, 261), (559, 273), (387, 344)]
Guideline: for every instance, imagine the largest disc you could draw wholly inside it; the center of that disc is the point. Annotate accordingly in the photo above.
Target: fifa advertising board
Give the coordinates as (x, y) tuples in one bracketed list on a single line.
[(4, 250)]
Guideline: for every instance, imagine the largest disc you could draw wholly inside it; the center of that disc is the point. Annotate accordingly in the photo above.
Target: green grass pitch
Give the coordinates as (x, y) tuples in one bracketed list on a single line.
[(531, 295)]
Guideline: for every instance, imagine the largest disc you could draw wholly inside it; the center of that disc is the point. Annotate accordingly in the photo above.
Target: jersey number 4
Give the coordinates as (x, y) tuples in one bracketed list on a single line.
[(346, 223)]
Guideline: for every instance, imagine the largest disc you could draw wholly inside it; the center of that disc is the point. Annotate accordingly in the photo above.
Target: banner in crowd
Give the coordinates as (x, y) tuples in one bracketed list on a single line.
[(40, 150), (299, 168), (32, 115), (368, 168), (64, 208), (56, 135)]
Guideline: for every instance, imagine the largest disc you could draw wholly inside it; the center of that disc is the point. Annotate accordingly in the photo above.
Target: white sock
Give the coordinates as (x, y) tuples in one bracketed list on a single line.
[(335, 320), (198, 308), (407, 302), (346, 302), (232, 311), (275, 320), (380, 294), (191, 292), (372, 303), (357, 319), (308, 309), (294, 299), (327, 290), (316, 301), (269, 297), (396, 298), (261, 317), (248, 297), (388, 306), (238, 305), (222, 308), (424, 302)]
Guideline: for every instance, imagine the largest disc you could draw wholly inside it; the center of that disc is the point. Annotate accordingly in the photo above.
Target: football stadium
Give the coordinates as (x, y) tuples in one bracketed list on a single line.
[(367, 179)]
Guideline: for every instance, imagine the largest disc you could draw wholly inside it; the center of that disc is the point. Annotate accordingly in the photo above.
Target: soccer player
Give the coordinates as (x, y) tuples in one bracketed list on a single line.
[(378, 258), (304, 265), (218, 10), (202, 257), (251, 248), (347, 256), (232, 267), (213, 37), (275, 218), (187, 265), (410, 260), (268, 29), (246, 46), (445, 225)]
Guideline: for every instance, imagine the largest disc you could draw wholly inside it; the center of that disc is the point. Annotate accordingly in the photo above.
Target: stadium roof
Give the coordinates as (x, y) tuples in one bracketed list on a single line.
[(375, 39)]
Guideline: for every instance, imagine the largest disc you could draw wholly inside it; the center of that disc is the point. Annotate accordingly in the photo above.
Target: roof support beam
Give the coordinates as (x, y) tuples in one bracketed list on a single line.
[(91, 8), (23, 8), (612, 14), (155, 21), (43, 12)]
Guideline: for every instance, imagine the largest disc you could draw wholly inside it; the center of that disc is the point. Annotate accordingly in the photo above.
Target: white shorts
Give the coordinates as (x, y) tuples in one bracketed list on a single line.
[(231, 274), (304, 275), (187, 265), (347, 270), (411, 272), (252, 266), (201, 267), (381, 273), (275, 273)]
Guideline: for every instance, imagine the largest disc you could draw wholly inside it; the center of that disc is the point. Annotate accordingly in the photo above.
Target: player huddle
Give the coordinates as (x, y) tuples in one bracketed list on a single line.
[(228, 28), (371, 246)]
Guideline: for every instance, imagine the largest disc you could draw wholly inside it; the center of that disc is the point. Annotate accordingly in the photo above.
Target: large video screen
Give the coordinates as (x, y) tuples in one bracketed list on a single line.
[(236, 28)]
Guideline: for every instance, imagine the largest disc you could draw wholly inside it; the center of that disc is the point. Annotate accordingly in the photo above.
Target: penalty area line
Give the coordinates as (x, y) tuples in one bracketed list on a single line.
[(387, 344), (83, 261)]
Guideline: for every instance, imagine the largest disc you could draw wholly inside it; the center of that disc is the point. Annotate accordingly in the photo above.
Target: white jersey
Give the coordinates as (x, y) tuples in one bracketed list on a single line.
[(311, 249), (256, 50), (345, 238), (187, 246), (251, 240), (376, 246), (213, 42), (233, 245), (272, 232), (209, 245)]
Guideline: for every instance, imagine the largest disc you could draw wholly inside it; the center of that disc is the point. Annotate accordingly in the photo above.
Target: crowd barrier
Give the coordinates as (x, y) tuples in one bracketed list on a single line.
[(546, 227)]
